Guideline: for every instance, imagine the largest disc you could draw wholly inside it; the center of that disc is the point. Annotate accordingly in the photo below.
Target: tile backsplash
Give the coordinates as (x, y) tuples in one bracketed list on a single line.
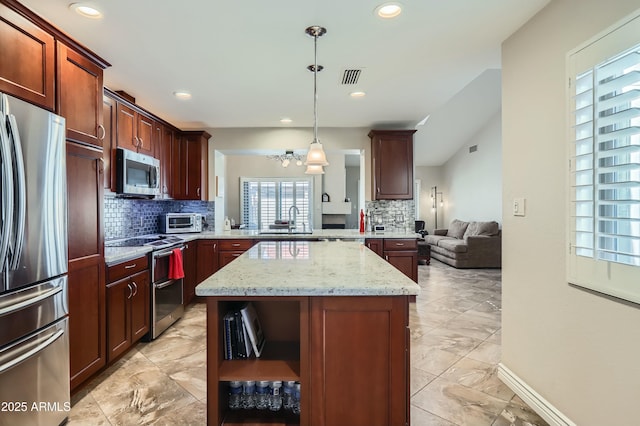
[(125, 217), (397, 215)]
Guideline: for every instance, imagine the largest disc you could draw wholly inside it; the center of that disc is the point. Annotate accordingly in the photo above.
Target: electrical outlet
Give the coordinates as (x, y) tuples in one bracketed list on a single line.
[(519, 207)]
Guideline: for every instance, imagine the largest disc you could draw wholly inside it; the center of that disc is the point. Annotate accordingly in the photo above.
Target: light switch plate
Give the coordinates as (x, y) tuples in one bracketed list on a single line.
[(519, 207)]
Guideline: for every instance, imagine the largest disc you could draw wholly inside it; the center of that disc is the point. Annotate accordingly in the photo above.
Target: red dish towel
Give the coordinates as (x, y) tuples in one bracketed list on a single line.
[(176, 271)]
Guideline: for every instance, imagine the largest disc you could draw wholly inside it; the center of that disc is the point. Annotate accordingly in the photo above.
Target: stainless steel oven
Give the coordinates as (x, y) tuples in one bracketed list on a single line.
[(166, 293)]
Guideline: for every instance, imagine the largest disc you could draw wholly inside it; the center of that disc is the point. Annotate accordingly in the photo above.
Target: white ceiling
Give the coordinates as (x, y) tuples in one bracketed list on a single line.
[(245, 61)]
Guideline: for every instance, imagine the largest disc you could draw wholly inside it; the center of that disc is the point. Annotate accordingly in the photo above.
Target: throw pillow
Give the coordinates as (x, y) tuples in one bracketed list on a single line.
[(482, 228), (457, 229)]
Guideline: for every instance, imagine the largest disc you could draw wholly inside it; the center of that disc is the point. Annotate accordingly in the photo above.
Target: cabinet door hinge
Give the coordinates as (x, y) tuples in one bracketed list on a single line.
[(569, 82)]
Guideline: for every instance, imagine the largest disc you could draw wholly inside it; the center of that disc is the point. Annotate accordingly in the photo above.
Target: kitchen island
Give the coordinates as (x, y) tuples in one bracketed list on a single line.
[(335, 318)]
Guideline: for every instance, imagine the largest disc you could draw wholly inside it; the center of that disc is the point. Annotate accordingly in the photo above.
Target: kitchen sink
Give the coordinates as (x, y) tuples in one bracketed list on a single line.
[(284, 232)]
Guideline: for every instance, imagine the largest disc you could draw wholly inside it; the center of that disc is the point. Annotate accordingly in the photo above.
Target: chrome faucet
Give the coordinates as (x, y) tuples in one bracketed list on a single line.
[(295, 216)]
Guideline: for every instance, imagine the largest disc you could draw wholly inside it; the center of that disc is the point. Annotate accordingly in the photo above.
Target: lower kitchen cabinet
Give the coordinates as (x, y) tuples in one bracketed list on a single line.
[(228, 250), (190, 265), (401, 253), (207, 259), (128, 304)]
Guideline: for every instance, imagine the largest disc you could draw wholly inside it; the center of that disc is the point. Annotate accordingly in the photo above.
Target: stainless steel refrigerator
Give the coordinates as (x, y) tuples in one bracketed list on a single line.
[(34, 345)]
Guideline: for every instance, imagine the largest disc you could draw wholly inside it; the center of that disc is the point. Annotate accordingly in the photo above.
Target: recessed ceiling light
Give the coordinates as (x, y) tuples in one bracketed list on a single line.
[(182, 95), (357, 94), (388, 10), (285, 120), (86, 10)]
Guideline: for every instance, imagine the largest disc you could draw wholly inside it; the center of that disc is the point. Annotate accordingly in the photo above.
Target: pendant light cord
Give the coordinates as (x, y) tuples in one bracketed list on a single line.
[(315, 88)]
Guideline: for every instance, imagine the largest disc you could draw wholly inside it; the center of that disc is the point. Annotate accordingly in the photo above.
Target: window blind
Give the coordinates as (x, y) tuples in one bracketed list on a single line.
[(604, 202), (265, 200)]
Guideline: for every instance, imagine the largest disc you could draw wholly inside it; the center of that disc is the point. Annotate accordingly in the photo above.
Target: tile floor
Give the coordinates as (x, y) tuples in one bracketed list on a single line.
[(455, 346)]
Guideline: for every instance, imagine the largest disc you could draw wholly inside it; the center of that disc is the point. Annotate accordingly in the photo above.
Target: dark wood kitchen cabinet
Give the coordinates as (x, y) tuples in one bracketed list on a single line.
[(403, 254), (87, 320), (109, 142), (135, 130), (165, 139), (228, 250), (207, 259), (190, 264), (128, 304), (27, 67), (333, 346), (392, 164), (190, 169), (80, 96)]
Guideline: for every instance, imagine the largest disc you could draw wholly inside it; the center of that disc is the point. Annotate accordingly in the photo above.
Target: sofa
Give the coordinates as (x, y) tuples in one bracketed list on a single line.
[(467, 244)]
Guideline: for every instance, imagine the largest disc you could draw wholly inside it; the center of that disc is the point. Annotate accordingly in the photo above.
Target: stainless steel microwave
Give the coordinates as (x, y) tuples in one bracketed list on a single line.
[(175, 223), (137, 174)]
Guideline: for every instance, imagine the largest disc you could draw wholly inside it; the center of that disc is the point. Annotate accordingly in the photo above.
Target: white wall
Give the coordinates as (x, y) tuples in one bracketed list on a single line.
[(472, 182), (578, 350)]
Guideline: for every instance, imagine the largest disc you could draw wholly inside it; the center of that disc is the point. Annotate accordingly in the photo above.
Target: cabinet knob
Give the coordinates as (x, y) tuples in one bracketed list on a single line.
[(141, 143), (198, 192), (135, 287), (133, 265), (130, 291)]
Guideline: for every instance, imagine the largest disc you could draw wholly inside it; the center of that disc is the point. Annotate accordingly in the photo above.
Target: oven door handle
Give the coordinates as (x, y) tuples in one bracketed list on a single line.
[(160, 254), (165, 284)]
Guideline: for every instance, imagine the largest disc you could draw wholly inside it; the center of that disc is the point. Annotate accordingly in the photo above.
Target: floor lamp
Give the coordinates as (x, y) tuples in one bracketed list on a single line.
[(434, 203)]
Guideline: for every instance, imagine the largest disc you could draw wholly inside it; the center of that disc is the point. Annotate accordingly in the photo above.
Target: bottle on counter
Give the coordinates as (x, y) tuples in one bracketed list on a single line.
[(361, 221), (275, 396), (227, 224), (295, 405), (248, 400), (235, 395), (262, 395), (287, 395)]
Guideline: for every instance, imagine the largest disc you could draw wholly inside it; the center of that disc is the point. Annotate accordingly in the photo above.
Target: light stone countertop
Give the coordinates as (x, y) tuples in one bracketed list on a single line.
[(308, 268), (114, 255)]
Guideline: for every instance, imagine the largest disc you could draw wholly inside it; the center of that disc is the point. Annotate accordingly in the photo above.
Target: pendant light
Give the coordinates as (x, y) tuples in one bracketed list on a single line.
[(316, 157)]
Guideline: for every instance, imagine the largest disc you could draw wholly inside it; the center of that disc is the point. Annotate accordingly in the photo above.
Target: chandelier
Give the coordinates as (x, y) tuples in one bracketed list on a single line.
[(286, 158), (316, 158)]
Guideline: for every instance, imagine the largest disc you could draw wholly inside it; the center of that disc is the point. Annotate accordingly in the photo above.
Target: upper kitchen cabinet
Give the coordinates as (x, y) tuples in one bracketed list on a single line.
[(392, 164), (28, 59), (109, 141), (165, 137), (135, 130), (190, 168), (80, 96)]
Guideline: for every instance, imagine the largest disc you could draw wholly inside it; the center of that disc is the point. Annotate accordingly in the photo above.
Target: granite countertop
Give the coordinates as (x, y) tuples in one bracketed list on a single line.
[(115, 255), (308, 268)]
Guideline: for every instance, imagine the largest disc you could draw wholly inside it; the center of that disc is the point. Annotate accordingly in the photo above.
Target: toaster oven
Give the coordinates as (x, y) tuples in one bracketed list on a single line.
[(176, 223)]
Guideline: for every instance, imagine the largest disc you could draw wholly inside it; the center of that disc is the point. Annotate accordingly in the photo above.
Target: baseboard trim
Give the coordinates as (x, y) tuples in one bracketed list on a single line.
[(540, 405)]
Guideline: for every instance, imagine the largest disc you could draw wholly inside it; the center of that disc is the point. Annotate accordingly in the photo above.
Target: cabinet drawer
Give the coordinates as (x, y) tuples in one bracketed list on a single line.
[(399, 244), (235, 244), (124, 269)]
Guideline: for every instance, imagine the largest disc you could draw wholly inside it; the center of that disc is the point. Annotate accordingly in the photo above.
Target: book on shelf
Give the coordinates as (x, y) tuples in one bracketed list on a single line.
[(253, 327), (237, 343)]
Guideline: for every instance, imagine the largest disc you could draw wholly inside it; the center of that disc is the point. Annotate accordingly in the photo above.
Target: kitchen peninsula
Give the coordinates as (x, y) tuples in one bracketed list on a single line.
[(335, 317)]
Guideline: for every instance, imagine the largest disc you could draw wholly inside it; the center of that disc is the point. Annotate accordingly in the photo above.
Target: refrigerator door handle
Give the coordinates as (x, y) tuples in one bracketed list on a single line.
[(31, 301), (7, 191), (39, 348), (21, 186)]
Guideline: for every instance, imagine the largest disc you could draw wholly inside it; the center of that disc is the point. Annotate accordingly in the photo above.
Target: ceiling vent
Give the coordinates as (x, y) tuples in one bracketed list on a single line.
[(351, 76)]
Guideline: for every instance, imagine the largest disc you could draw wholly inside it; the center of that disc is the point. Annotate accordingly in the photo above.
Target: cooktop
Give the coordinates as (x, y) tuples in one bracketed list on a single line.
[(159, 241)]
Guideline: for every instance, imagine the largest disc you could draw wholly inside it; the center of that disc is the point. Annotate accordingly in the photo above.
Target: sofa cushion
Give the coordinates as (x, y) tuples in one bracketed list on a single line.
[(434, 239), (457, 228), (481, 228), (453, 245)]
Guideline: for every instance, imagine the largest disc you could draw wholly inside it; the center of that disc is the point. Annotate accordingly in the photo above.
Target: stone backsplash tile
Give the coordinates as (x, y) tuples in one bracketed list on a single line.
[(397, 215), (125, 217)]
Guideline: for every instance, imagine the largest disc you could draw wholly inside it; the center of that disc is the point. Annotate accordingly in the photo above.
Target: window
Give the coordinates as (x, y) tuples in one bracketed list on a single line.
[(605, 164), (263, 201)]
